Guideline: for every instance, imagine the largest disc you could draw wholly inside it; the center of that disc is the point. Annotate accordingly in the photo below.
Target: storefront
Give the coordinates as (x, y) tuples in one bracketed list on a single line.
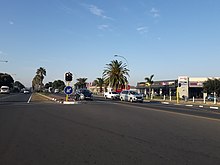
[(158, 88), (187, 87)]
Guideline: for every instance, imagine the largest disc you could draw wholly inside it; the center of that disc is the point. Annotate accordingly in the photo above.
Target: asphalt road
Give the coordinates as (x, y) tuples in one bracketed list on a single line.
[(14, 98), (106, 132)]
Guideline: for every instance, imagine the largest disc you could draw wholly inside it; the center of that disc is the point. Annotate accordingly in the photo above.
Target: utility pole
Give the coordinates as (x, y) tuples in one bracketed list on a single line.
[(3, 61)]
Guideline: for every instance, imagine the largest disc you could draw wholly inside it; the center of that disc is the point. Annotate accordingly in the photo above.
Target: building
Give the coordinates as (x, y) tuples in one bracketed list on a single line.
[(164, 87), (187, 87)]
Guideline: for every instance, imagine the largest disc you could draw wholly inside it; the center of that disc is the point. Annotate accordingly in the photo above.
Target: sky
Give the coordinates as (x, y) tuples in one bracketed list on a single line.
[(167, 38)]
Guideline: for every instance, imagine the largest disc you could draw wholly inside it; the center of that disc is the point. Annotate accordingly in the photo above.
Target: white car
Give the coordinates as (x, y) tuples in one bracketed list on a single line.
[(111, 95), (56, 91), (5, 90), (26, 91), (132, 96)]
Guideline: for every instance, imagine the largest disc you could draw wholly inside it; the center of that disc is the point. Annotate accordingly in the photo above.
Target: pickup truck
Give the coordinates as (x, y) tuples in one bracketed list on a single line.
[(111, 95)]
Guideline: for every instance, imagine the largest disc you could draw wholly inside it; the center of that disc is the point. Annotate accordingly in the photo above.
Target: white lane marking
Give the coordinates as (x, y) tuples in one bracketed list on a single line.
[(213, 107), (30, 98), (176, 113)]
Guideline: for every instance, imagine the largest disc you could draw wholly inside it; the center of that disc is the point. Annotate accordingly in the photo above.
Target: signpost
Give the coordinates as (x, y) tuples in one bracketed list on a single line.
[(68, 89)]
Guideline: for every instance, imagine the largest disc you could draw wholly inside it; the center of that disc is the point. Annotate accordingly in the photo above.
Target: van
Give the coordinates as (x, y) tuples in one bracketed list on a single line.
[(132, 96), (5, 90)]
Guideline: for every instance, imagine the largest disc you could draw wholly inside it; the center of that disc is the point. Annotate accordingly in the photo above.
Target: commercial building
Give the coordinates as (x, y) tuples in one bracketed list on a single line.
[(187, 87)]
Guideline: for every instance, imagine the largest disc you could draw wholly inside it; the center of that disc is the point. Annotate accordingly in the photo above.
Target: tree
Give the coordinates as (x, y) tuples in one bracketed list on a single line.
[(6, 80), (36, 83), (115, 74), (58, 84), (41, 72), (149, 82), (211, 86), (47, 85), (18, 86), (99, 82), (81, 83)]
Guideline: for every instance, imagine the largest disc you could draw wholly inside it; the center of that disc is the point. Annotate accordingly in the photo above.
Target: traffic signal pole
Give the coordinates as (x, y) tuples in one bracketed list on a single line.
[(67, 96), (177, 95), (68, 78)]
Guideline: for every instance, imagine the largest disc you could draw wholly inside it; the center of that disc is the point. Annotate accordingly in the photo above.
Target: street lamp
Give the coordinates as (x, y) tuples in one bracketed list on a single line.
[(3, 61), (116, 55)]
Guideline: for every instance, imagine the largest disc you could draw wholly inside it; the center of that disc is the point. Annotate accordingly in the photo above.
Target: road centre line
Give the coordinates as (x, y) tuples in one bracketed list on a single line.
[(30, 98), (176, 113)]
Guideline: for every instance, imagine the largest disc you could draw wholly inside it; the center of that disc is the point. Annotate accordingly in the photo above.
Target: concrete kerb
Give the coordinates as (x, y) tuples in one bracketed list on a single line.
[(50, 98), (192, 105), (56, 100)]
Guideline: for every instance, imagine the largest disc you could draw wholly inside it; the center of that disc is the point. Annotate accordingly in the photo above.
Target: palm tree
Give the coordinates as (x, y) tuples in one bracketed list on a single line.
[(115, 74), (41, 72), (99, 82), (36, 83), (81, 83), (149, 82)]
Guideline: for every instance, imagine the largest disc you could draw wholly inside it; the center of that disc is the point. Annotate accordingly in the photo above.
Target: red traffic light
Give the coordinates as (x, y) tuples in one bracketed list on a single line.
[(68, 76)]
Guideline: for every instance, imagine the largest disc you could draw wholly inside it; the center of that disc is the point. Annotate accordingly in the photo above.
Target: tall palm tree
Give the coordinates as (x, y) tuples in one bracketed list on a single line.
[(99, 82), (149, 82), (36, 83), (41, 72), (115, 74), (81, 83)]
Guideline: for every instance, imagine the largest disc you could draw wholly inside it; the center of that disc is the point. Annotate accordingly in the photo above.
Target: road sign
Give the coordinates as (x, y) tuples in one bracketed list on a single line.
[(68, 90)]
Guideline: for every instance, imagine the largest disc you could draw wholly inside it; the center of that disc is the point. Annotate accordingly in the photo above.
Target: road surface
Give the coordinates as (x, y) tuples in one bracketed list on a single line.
[(107, 132)]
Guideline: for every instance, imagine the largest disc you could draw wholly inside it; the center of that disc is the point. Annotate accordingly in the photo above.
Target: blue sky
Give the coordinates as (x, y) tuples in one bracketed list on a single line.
[(167, 38)]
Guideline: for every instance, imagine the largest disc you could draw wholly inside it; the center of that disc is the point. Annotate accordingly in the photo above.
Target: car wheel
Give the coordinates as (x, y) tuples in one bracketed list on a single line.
[(131, 100), (121, 99), (105, 97)]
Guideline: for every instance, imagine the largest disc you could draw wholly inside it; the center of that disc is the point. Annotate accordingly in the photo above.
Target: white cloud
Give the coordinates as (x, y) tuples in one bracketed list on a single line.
[(104, 27), (159, 38), (155, 12), (98, 12), (142, 29), (11, 22)]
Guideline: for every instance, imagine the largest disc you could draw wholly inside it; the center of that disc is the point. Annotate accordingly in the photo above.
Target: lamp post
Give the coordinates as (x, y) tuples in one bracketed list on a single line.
[(116, 55), (3, 61)]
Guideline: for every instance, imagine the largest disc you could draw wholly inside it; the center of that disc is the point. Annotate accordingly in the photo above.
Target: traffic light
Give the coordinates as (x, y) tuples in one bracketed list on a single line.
[(68, 76)]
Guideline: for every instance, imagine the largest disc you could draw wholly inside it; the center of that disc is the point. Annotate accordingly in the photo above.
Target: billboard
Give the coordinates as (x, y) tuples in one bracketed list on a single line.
[(183, 88)]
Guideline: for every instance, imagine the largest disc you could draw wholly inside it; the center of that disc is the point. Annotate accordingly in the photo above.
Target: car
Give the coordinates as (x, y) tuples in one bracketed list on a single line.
[(56, 91), (211, 98), (111, 95), (4, 90), (26, 91), (83, 94), (132, 96)]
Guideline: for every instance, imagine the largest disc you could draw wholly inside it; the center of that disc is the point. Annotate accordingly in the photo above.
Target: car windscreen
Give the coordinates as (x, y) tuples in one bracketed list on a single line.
[(133, 93)]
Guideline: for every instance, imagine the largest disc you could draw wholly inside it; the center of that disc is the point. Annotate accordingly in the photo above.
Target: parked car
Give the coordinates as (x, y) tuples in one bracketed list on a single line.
[(111, 95), (211, 98), (83, 94), (26, 91), (56, 91), (4, 90), (132, 96)]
